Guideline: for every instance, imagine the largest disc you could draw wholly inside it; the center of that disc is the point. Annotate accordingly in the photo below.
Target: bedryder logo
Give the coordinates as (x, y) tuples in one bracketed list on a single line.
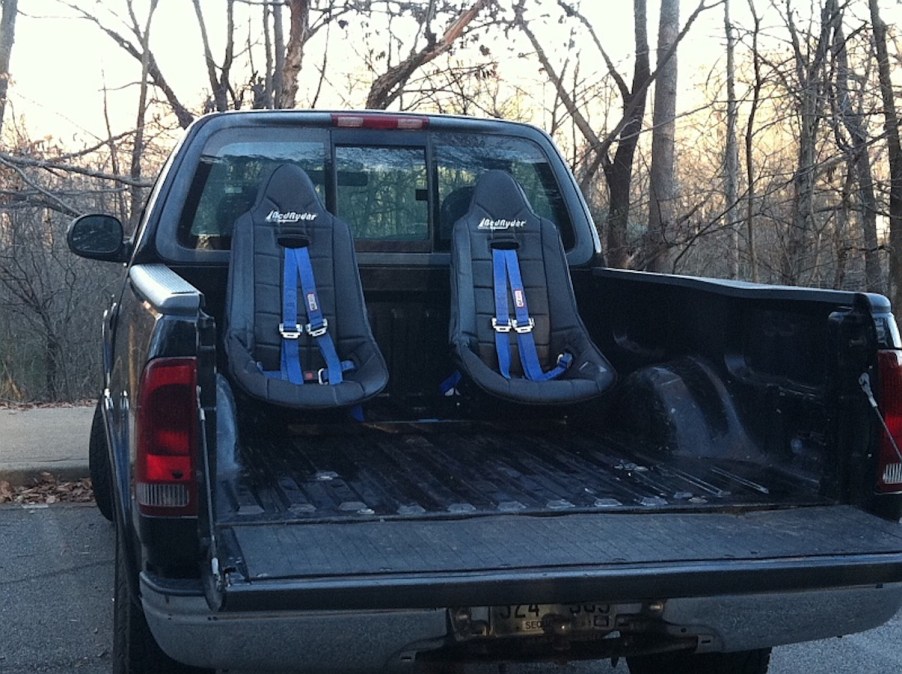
[(290, 216), (488, 223)]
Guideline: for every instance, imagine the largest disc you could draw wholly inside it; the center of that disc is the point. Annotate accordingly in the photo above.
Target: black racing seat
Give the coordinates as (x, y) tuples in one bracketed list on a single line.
[(515, 330), (453, 207), (310, 347)]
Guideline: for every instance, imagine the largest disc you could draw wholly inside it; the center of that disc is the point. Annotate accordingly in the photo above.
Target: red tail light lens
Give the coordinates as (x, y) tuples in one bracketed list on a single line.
[(167, 438), (889, 462)]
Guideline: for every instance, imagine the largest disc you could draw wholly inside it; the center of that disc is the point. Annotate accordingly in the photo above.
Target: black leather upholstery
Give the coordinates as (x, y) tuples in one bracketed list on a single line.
[(288, 208), (500, 216)]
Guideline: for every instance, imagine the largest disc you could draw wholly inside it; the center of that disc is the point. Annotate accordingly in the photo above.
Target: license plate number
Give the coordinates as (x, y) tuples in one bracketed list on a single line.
[(535, 619)]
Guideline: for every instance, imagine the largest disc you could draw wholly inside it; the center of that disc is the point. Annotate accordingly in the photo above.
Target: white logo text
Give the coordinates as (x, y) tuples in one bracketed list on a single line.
[(290, 216), (486, 223)]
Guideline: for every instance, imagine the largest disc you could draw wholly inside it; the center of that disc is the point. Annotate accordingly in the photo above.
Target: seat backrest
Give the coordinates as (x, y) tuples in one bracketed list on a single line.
[(453, 207), (501, 218), (288, 213)]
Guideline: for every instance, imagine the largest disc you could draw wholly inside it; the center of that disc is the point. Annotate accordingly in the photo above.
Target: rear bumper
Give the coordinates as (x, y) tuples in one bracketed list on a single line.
[(314, 641), (390, 639)]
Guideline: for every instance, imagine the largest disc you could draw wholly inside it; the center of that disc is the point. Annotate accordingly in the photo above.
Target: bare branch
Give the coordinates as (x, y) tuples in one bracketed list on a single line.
[(181, 112), (387, 87), (17, 162)]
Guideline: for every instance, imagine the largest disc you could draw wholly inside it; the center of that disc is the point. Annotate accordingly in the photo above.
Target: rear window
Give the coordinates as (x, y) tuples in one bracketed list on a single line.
[(461, 158), (386, 193), (229, 173), (390, 200)]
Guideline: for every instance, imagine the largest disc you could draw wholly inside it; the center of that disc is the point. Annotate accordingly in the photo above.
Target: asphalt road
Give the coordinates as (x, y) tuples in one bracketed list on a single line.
[(56, 578)]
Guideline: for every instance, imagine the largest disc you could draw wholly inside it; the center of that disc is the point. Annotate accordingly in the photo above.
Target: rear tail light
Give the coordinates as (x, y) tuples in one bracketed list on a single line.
[(889, 459), (379, 121), (167, 438)]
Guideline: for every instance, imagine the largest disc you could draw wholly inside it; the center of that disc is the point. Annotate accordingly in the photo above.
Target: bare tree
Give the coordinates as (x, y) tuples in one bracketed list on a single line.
[(137, 194), (662, 183), (749, 138), (181, 112), (388, 86), (731, 146), (618, 170), (50, 299), (298, 34), (222, 93), (809, 57), (894, 149), (8, 13), (847, 112)]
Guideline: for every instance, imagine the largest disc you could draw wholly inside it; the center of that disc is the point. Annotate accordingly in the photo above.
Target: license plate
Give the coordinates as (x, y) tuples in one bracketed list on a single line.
[(536, 619)]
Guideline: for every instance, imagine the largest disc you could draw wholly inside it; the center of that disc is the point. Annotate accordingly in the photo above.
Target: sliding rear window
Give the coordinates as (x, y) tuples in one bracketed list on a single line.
[(398, 196), (383, 195)]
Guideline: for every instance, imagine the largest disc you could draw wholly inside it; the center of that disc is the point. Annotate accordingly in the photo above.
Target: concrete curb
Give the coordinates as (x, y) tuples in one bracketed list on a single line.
[(44, 439)]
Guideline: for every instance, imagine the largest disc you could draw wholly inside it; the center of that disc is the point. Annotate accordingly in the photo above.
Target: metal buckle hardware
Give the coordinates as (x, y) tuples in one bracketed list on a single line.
[(317, 331), (320, 376), (291, 333), (501, 327), (522, 329)]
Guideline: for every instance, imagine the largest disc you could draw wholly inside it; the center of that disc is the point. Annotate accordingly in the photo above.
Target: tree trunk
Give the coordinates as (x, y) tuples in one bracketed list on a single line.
[(812, 80), (299, 23), (137, 193), (267, 101), (749, 148), (619, 173), (860, 160), (894, 149), (7, 37), (731, 149), (662, 181)]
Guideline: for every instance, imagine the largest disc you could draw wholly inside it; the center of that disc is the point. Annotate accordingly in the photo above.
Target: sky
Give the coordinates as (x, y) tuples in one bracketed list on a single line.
[(60, 65)]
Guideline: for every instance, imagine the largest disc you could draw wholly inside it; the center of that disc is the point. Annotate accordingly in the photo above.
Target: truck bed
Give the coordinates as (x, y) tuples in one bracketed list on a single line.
[(441, 469), (444, 513)]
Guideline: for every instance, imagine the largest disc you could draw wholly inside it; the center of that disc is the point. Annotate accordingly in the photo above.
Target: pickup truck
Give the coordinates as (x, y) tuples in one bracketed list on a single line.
[(736, 485)]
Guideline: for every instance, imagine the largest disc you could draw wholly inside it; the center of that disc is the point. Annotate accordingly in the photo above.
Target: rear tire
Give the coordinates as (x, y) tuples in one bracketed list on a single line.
[(99, 465), (135, 651), (741, 662)]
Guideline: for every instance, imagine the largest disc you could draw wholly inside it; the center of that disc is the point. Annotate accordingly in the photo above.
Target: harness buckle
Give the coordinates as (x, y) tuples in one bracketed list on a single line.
[(291, 333), (319, 330), (523, 329), (320, 376), (502, 327)]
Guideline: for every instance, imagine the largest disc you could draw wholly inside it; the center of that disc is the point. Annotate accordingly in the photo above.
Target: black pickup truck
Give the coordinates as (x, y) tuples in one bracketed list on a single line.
[(709, 470)]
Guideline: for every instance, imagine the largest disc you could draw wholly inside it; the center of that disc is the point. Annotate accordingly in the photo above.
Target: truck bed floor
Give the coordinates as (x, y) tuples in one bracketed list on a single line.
[(415, 470)]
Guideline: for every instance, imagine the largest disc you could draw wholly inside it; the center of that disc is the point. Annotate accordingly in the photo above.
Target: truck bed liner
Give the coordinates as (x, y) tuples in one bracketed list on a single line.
[(434, 470), (573, 540), (569, 557), (406, 504)]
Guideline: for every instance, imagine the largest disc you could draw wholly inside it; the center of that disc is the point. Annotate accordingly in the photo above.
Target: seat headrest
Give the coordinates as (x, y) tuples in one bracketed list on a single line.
[(288, 200), (500, 205)]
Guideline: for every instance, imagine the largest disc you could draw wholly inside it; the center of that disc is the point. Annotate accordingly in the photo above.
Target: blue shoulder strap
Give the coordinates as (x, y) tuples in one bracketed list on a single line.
[(501, 323), (506, 271), (299, 267)]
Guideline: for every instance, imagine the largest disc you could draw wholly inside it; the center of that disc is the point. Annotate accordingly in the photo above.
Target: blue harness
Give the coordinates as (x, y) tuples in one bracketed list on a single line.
[(299, 269), (506, 273)]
